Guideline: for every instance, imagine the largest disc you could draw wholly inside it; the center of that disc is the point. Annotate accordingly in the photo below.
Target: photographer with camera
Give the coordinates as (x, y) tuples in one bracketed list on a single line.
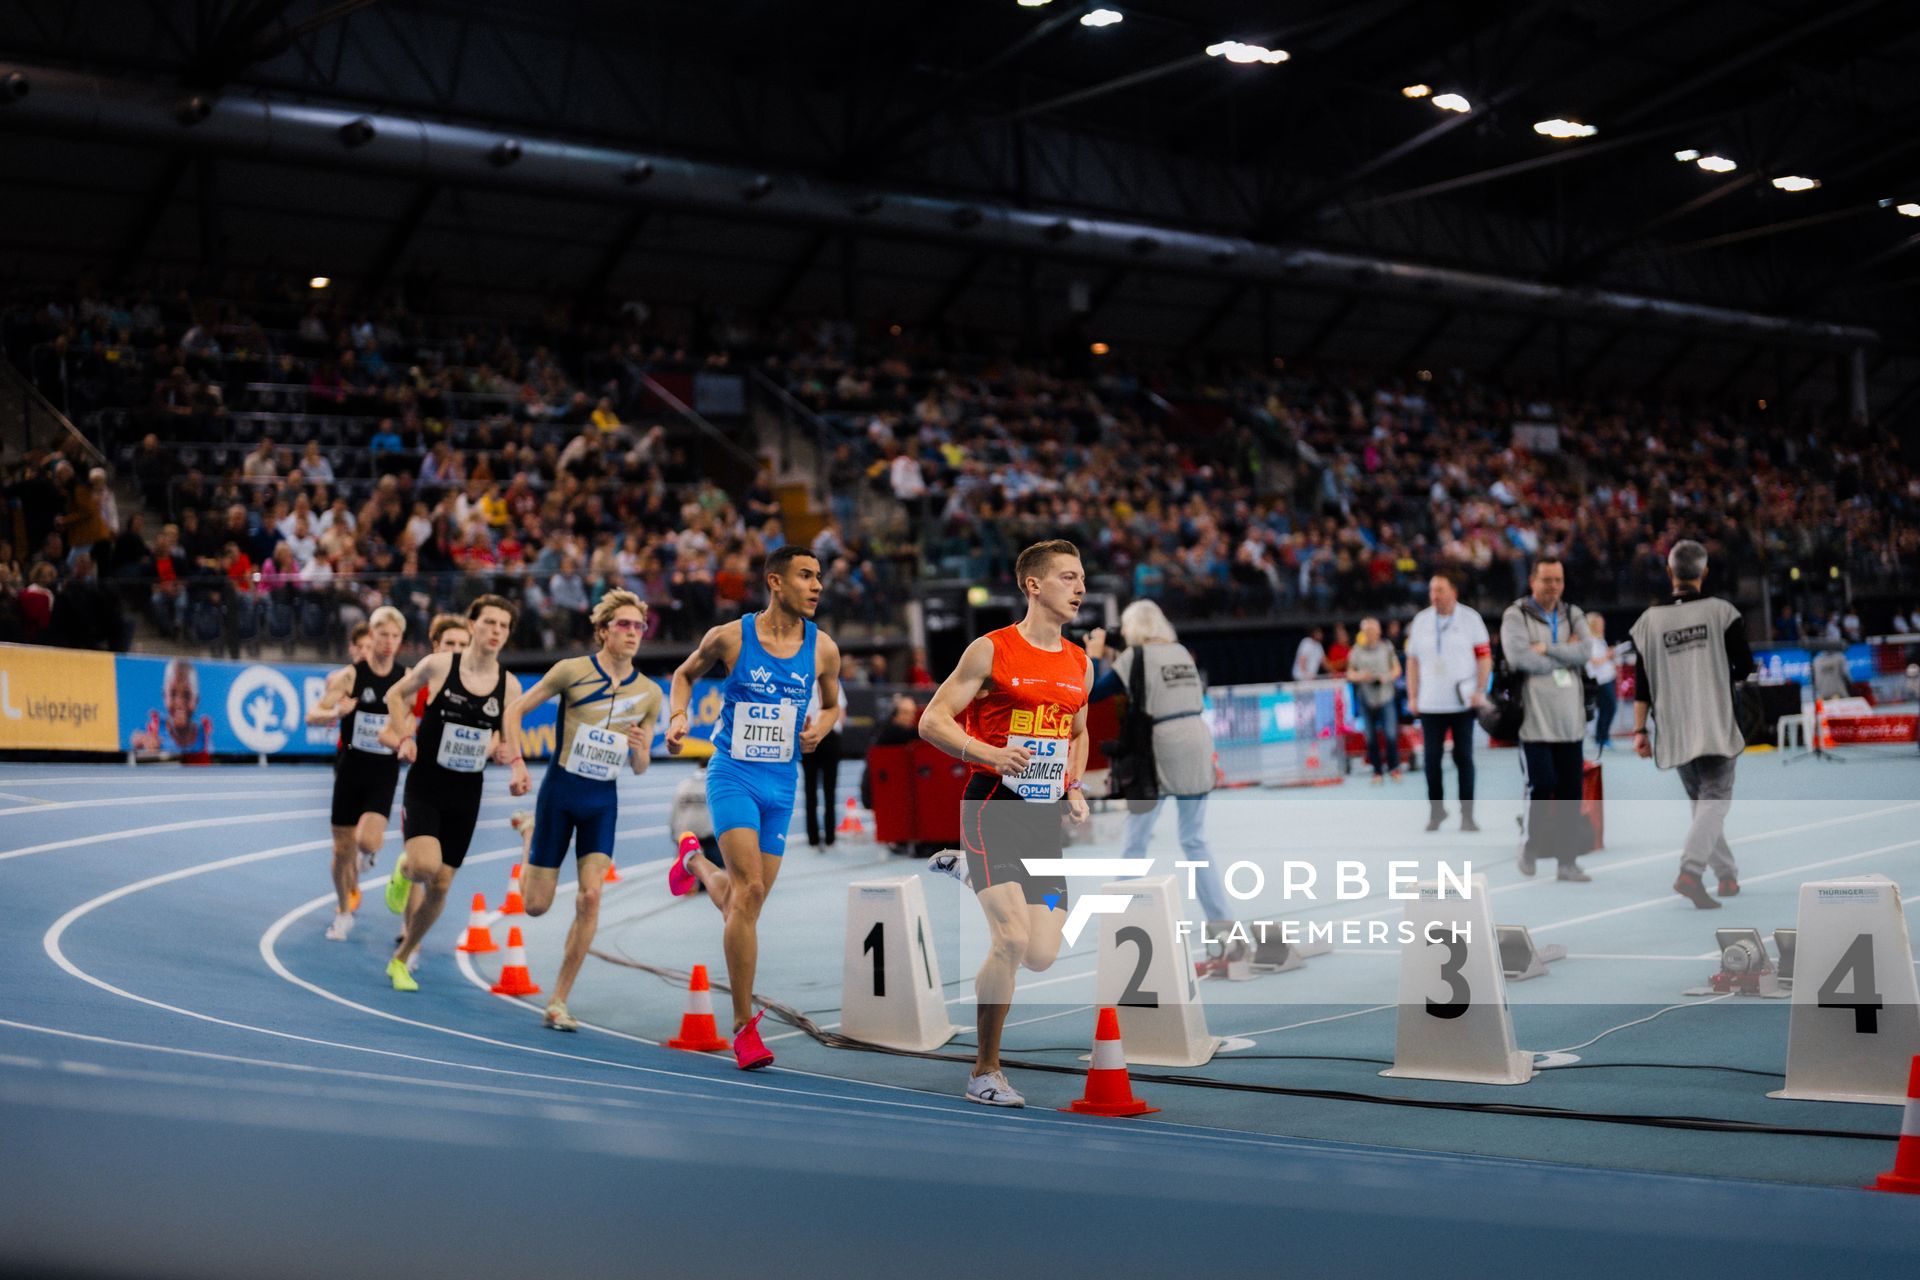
[(1544, 642), (1174, 755)]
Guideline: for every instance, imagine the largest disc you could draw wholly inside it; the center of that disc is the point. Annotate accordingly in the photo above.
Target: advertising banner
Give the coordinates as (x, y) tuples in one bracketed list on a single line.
[(195, 709), (56, 699)]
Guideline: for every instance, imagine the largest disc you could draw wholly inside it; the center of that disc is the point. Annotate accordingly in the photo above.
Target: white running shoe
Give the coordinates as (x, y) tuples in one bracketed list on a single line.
[(951, 862), (992, 1090), (342, 926)]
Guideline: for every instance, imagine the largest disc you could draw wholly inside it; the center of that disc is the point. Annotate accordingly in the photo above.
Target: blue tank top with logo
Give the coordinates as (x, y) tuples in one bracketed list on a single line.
[(764, 703)]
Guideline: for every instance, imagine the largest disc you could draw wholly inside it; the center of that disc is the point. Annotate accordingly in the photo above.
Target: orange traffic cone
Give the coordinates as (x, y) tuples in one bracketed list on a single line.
[(1109, 1091), (613, 872), (697, 1032), (1905, 1174), (514, 979), (479, 937), (851, 824), (514, 905)]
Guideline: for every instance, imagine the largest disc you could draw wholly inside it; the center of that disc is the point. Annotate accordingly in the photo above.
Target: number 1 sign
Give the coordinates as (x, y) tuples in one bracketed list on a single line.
[(890, 990)]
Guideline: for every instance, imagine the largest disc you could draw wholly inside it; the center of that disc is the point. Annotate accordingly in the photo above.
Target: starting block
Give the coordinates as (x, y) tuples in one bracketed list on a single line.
[(1284, 957), (890, 989), (1745, 968), (1453, 1020), (1855, 1027), (1520, 957), (1143, 971)]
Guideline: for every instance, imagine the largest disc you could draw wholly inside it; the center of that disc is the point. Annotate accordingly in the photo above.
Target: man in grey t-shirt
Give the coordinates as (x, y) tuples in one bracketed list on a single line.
[(1691, 652)]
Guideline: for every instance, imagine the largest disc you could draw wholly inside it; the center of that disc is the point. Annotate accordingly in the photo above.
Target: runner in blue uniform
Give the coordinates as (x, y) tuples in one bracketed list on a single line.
[(773, 659)]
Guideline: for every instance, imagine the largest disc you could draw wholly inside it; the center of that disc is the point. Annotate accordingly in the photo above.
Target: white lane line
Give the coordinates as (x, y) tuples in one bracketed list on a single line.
[(1609, 868), (51, 943), (184, 797), (235, 820), (195, 824), (1670, 898), (1310, 1022)]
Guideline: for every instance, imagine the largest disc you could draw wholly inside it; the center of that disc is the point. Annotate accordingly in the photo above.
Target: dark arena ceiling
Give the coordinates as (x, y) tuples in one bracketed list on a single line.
[(1013, 168)]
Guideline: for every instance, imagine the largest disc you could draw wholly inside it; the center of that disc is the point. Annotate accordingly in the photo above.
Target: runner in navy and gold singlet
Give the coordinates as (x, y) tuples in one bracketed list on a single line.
[(605, 728)]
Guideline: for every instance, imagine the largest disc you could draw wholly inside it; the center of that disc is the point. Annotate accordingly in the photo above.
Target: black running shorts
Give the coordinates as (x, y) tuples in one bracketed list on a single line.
[(1000, 831), (363, 784), (445, 809)]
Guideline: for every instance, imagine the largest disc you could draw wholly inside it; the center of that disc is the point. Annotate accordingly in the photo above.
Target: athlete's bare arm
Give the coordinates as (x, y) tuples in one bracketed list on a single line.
[(940, 725), (1077, 753), (720, 644), (640, 744), (545, 687), (506, 749), (428, 673), (335, 700), (826, 667)]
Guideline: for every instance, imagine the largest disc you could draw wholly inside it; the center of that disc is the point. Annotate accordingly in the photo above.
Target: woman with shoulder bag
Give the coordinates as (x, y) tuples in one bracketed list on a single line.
[(1182, 746)]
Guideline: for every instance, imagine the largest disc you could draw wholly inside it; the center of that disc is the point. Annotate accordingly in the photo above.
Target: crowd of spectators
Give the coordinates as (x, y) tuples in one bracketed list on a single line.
[(295, 465), (423, 469), (1327, 494)]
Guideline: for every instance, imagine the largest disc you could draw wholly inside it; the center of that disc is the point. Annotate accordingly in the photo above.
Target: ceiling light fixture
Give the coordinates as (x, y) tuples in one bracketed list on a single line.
[(1238, 51), (1564, 129)]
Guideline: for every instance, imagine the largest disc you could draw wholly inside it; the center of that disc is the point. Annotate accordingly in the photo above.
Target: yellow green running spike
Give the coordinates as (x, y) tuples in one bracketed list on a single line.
[(398, 887), (402, 980)]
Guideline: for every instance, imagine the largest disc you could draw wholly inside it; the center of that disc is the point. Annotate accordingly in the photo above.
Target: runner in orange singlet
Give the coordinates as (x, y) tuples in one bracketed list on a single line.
[(1015, 709)]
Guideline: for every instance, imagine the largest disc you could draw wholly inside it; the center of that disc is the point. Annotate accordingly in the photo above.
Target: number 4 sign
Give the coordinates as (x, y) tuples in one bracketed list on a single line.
[(891, 992), (1856, 1011), (1453, 1020)]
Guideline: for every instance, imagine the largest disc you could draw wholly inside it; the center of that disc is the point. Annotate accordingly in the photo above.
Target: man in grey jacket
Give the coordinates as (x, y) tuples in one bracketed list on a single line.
[(1545, 640), (1691, 652)]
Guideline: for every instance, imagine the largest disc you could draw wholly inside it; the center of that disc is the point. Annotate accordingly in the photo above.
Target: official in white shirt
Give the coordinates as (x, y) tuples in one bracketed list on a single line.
[(1449, 659)]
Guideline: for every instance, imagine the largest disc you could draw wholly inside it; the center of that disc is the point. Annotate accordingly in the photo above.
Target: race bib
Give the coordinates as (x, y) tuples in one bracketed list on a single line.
[(596, 754), (1044, 780), (463, 748), (366, 734), (764, 731)]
